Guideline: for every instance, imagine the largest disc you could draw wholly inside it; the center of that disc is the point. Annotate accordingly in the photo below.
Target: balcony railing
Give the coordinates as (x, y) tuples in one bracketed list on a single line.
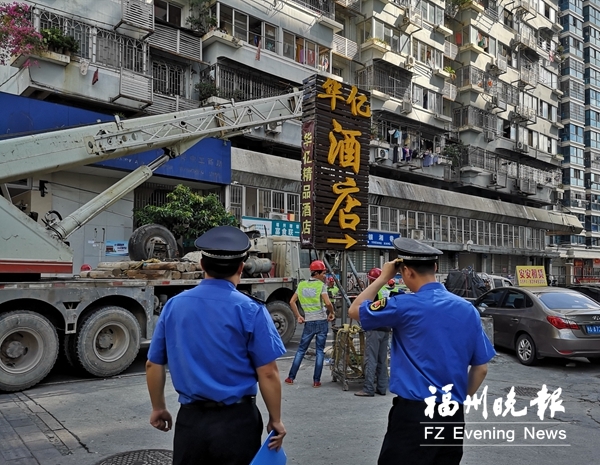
[(345, 47), (163, 104), (449, 91), (472, 76), (322, 7), (353, 5), (450, 50), (528, 76), (137, 13), (388, 80), (177, 42), (476, 118)]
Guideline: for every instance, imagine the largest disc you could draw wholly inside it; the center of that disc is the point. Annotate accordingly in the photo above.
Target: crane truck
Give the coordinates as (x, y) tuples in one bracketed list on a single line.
[(100, 324)]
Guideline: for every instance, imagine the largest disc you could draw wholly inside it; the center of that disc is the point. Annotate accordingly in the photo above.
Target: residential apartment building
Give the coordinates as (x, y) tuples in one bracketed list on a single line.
[(580, 84), (465, 98)]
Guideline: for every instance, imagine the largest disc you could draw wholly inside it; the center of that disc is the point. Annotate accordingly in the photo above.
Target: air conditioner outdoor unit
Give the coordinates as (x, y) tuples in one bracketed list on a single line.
[(274, 127), (410, 62), (560, 195), (383, 154), (494, 178), (417, 234), (522, 147), (406, 106), (277, 216), (489, 136)]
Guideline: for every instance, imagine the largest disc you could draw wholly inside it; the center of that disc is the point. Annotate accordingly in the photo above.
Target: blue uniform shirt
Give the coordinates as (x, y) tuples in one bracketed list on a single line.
[(436, 336), (213, 338)]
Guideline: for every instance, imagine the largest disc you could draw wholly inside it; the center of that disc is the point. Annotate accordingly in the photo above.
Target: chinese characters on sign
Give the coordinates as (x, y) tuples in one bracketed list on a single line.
[(531, 276), (335, 177)]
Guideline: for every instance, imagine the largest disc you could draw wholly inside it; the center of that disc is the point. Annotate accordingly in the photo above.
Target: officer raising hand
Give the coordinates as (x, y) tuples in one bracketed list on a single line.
[(218, 343), (437, 341)]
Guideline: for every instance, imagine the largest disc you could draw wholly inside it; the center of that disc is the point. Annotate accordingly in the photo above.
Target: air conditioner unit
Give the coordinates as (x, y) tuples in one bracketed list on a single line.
[(494, 178), (559, 195), (417, 234), (383, 154), (522, 147), (278, 216), (406, 107), (410, 62), (274, 127), (489, 136)]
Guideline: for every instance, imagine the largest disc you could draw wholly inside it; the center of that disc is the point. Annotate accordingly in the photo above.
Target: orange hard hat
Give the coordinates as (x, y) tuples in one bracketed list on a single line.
[(374, 273), (317, 265), (330, 280)]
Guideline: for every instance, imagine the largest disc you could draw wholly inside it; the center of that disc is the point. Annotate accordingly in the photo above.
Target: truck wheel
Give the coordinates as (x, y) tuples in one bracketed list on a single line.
[(284, 320), (70, 350), (108, 341), (28, 349), (152, 241)]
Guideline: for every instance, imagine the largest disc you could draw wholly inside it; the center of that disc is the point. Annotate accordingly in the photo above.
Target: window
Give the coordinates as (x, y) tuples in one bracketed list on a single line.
[(427, 54), (240, 29), (508, 19), (270, 42), (288, 45), (167, 11), (168, 79)]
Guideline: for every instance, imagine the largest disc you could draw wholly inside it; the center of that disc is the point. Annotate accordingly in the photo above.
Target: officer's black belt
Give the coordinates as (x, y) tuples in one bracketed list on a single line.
[(210, 404)]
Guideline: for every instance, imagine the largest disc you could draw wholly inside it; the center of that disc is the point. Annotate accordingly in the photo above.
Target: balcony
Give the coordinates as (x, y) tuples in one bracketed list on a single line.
[(523, 114), (220, 36), (50, 57), (388, 80), (475, 119), (528, 76), (177, 42), (450, 50), (526, 42), (345, 47), (352, 5), (524, 7), (134, 87), (472, 5), (450, 91), (165, 104), (324, 8), (471, 78), (138, 14), (498, 66)]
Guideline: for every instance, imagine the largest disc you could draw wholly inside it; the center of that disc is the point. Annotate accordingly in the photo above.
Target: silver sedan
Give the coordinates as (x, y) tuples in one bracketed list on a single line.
[(543, 322)]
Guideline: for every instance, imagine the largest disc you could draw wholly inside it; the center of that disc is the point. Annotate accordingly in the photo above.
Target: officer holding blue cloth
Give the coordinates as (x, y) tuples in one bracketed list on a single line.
[(439, 349), (218, 343)]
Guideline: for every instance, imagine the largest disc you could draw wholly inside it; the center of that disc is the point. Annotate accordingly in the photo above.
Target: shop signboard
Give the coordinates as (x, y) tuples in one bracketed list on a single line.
[(335, 165), (271, 227), (531, 276)]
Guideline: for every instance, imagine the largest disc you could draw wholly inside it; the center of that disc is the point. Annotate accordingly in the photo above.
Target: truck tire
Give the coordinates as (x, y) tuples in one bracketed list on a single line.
[(152, 241), (28, 349), (108, 341), (284, 320)]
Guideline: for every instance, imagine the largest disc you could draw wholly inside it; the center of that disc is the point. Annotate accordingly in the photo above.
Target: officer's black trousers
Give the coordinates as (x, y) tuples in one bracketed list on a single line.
[(229, 435), (415, 439)]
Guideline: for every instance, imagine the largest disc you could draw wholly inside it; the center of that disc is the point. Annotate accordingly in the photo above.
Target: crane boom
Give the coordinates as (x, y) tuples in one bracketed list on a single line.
[(22, 157), (29, 247)]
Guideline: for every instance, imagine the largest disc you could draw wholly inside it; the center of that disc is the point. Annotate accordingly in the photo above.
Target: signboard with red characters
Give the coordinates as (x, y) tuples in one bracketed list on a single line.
[(531, 276)]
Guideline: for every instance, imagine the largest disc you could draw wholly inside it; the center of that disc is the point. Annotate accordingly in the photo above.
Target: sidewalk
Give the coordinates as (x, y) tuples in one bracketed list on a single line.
[(29, 435)]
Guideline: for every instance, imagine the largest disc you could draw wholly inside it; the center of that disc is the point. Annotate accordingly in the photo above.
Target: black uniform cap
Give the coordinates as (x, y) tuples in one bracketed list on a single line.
[(224, 243), (412, 250)]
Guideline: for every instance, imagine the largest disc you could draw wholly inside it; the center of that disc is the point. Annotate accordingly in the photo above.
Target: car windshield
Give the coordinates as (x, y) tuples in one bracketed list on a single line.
[(566, 301)]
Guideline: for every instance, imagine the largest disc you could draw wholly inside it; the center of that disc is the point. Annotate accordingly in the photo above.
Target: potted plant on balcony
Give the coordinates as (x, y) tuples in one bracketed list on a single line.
[(18, 37), (200, 20), (451, 72)]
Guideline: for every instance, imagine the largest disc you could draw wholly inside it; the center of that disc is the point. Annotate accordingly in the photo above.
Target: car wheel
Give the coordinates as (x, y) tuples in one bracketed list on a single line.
[(594, 360), (526, 352)]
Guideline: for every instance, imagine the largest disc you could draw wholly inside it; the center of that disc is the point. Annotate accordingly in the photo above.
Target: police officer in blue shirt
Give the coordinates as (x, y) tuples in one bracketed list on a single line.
[(218, 343), (438, 348)]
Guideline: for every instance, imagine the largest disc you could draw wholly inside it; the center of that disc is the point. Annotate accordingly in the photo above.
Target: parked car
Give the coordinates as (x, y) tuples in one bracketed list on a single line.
[(495, 281), (591, 290), (543, 322)]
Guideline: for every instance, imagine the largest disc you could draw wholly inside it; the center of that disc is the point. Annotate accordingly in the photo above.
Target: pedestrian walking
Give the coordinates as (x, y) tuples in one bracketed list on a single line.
[(376, 348), (318, 311), (218, 344), (438, 348)]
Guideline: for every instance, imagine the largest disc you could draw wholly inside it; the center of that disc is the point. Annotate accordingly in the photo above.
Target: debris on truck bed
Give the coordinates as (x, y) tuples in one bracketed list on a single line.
[(146, 269)]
